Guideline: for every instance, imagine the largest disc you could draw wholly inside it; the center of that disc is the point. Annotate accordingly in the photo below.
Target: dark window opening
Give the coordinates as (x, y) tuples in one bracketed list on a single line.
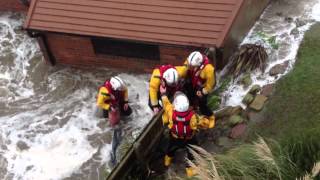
[(125, 48)]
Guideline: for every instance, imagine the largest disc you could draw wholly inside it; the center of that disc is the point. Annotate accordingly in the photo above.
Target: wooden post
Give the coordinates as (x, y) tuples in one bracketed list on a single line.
[(45, 49)]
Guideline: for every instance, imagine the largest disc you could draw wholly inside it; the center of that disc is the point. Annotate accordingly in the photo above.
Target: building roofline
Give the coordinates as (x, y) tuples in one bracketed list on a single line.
[(30, 13), (228, 25)]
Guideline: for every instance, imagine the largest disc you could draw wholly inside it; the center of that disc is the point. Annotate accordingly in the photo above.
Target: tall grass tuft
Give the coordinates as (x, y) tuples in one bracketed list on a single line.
[(303, 150), (265, 155), (313, 174), (261, 160), (204, 163), (316, 170), (254, 161)]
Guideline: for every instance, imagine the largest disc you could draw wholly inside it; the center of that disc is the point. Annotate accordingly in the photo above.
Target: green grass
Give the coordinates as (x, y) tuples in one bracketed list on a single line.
[(249, 161), (214, 99), (295, 106), (292, 115), (290, 127), (261, 160)]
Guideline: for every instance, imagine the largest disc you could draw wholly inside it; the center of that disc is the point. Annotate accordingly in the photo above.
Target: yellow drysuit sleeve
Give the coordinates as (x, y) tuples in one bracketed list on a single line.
[(168, 111), (125, 95), (182, 71), (195, 122), (103, 97), (208, 74), (154, 87), (155, 82)]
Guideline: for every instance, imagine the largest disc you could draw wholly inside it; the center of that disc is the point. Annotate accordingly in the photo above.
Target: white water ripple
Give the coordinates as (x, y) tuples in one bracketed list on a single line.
[(48, 123), (289, 42)]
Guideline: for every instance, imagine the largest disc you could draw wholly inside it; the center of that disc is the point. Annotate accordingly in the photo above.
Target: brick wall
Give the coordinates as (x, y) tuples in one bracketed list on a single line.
[(174, 55), (78, 51), (12, 5)]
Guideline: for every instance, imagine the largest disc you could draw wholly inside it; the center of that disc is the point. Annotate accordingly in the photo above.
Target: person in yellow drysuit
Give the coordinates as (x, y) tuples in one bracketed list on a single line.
[(167, 76), (200, 81), (183, 123), (114, 94)]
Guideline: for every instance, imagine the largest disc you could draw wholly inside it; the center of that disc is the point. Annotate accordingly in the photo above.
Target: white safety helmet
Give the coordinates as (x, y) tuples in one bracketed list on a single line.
[(195, 59), (171, 76), (181, 102), (116, 83)]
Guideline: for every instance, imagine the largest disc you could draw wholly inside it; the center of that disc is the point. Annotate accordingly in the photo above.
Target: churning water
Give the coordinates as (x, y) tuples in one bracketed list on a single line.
[(48, 123), (287, 21)]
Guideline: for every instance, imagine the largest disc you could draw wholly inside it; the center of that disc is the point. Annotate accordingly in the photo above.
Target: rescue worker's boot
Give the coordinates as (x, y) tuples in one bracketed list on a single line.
[(167, 160), (211, 121), (190, 171)]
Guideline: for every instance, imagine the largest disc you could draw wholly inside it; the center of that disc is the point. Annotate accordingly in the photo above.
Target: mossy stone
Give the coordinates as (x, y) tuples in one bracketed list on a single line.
[(248, 99), (235, 119), (255, 89)]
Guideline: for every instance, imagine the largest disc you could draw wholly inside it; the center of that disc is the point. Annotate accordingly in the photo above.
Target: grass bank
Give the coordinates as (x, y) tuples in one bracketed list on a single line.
[(295, 106), (292, 115), (286, 141)]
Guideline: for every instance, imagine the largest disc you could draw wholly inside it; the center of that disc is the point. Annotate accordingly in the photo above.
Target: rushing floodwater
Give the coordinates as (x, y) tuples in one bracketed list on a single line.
[(287, 20), (48, 123), (49, 128)]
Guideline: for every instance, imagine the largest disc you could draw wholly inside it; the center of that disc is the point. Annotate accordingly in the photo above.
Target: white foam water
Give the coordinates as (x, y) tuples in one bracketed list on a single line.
[(48, 126), (316, 12), (20, 47), (282, 28), (48, 129)]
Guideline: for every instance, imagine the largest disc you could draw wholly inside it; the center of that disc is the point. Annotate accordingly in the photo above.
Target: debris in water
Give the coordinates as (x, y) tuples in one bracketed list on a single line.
[(116, 139), (248, 58)]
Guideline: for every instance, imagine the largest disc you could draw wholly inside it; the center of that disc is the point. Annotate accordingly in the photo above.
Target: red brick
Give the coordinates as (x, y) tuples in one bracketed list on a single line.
[(12, 5), (78, 51)]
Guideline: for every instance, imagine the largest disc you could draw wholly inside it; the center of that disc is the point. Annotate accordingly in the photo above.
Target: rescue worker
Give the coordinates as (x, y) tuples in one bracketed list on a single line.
[(200, 81), (182, 123), (113, 95), (167, 76)]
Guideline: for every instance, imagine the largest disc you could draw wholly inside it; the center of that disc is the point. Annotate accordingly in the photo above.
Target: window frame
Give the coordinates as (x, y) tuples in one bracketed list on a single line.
[(139, 50)]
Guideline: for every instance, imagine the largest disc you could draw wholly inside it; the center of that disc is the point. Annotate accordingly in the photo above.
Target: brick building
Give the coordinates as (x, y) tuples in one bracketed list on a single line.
[(135, 34), (14, 5)]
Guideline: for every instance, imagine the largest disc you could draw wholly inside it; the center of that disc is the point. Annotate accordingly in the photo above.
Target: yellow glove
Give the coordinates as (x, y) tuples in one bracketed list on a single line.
[(204, 123), (165, 119), (211, 121)]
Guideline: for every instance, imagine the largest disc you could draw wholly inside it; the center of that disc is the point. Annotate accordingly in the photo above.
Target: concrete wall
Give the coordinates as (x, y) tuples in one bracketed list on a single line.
[(247, 16), (13, 5), (78, 51)]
